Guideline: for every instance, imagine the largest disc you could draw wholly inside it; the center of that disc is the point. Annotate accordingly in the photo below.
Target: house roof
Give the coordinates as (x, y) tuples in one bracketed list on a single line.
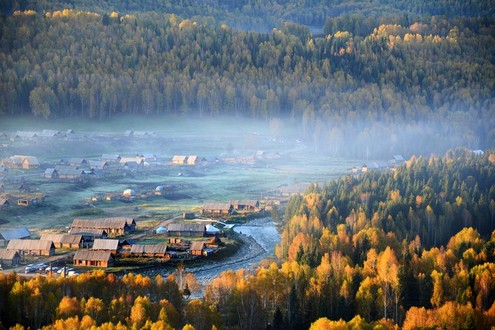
[(93, 255), (197, 246), (78, 161), (179, 159), (69, 171), (98, 163), (192, 159), (197, 227), (211, 229), (21, 232), (49, 133), (88, 232), (110, 157), (30, 244), (113, 223), (25, 134), (8, 254), (106, 244), (62, 238), (253, 203), (4, 201), (19, 159), (149, 249), (217, 206)]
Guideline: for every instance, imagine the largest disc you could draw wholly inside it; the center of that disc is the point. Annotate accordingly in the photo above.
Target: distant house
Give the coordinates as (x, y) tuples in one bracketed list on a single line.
[(9, 258), (78, 162), (193, 160), (98, 165), (26, 162), (126, 244), (186, 229), (197, 248), (221, 208), (30, 200), (72, 173), (149, 156), (355, 169), (50, 173), (32, 247), (246, 205), (131, 162), (90, 234), (260, 154), (179, 160), (65, 240), (49, 133), (149, 251), (112, 226), (93, 258), (18, 233), (25, 135), (110, 158), (364, 168), (111, 245)]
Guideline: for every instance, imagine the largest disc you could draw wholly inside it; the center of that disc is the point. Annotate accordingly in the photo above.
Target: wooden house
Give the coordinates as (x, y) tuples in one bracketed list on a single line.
[(49, 133), (50, 173), (364, 168), (65, 240), (25, 135), (217, 208), (98, 165), (72, 172), (186, 229), (26, 162), (197, 248), (126, 244), (9, 258), (111, 245), (112, 226), (131, 162), (179, 160), (88, 258), (149, 251), (30, 200), (18, 233), (246, 205), (110, 158), (90, 234), (32, 247), (78, 162)]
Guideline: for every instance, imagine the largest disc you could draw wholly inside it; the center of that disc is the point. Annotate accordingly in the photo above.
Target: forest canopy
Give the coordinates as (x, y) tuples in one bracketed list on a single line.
[(360, 76)]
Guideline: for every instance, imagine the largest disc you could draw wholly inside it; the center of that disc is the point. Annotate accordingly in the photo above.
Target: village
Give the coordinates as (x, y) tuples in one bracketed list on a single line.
[(122, 209)]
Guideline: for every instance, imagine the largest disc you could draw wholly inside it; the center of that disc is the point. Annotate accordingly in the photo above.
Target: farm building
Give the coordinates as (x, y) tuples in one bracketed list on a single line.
[(197, 248), (78, 162), (195, 160), (179, 160), (98, 165), (110, 158), (150, 251), (132, 163), (113, 226), (94, 259), (186, 229), (18, 233), (71, 172), (26, 162), (49, 133), (111, 245), (217, 208), (126, 244), (9, 258), (32, 246), (50, 173), (65, 240), (90, 234), (246, 205), (25, 135)]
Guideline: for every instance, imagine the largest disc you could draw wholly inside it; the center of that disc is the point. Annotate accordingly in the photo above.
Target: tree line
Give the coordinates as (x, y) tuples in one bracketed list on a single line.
[(413, 248)]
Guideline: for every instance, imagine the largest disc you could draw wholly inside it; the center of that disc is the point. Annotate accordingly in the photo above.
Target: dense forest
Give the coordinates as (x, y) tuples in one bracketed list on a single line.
[(364, 79), (412, 247)]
